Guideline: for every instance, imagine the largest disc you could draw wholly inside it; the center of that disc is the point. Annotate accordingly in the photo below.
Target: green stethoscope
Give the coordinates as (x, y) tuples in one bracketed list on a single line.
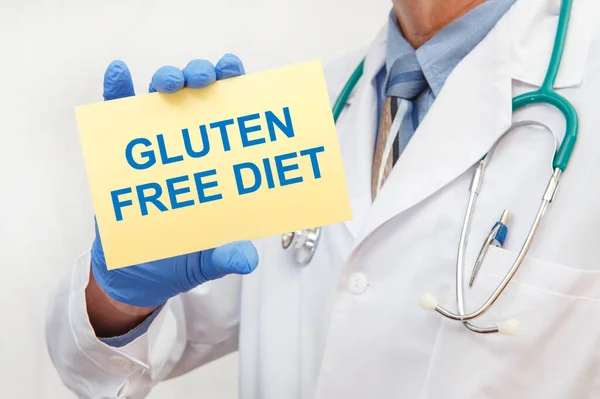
[(305, 242)]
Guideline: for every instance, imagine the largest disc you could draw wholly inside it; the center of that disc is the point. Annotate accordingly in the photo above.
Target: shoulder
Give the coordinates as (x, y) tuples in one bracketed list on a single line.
[(339, 70)]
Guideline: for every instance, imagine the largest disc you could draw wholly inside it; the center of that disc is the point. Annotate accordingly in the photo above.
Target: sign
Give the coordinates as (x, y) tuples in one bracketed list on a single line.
[(244, 158)]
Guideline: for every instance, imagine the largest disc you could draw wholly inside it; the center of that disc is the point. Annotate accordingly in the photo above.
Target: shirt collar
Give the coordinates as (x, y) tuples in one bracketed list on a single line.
[(439, 55)]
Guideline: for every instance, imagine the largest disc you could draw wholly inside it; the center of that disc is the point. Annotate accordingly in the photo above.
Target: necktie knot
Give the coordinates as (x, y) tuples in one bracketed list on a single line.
[(406, 79)]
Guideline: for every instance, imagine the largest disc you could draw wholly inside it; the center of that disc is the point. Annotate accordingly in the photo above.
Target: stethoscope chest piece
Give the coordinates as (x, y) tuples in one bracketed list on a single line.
[(303, 243)]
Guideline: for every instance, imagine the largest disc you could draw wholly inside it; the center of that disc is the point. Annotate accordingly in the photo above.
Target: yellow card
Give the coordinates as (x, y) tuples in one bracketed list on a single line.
[(245, 158)]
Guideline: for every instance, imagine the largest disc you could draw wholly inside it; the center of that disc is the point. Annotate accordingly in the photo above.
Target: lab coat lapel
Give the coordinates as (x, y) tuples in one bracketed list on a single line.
[(356, 132), (470, 113), (533, 38)]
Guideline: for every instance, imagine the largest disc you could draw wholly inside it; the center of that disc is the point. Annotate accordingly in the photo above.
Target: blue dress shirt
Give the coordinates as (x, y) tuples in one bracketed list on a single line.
[(439, 55)]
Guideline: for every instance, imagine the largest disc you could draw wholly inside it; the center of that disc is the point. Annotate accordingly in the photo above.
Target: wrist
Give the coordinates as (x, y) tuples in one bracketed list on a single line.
[(109, 317)]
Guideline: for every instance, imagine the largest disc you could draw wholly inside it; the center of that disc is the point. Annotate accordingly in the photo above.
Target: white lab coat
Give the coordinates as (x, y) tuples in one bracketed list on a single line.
[(349, 324)]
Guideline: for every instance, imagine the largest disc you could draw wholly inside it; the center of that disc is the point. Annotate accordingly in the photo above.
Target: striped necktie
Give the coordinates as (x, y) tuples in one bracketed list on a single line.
[(405, 83)]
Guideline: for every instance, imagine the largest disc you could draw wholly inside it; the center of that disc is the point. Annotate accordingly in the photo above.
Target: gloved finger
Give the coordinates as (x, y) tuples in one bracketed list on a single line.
[(167, 79), (229, 66), (235, 258), (117, 81), (199, 73)]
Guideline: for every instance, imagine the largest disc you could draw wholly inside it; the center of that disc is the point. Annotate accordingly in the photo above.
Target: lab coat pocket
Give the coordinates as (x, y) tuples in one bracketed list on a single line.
[(557, 353)]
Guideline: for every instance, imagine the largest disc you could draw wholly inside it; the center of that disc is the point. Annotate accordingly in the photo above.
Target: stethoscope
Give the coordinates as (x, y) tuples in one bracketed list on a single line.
[(305, 242)]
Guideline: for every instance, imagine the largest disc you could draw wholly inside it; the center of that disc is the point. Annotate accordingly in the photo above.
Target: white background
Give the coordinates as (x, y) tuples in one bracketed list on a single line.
[(52, 57)]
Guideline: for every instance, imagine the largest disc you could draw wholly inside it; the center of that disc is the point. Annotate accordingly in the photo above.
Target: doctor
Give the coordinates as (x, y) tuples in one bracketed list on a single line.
[(349, 324)]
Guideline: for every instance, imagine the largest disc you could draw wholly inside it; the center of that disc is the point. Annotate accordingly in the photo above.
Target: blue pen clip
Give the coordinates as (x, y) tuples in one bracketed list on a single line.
[(497, 237)]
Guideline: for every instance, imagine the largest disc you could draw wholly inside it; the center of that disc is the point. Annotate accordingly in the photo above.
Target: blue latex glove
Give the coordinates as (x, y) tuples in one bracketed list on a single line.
[(152, 284)]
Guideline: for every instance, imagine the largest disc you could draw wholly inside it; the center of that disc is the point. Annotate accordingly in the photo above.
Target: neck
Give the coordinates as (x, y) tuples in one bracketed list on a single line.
[(419, 20)]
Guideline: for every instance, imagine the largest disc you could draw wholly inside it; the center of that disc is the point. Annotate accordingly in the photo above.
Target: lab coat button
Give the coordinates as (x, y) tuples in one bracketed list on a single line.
[(357, 284), (121, 362)]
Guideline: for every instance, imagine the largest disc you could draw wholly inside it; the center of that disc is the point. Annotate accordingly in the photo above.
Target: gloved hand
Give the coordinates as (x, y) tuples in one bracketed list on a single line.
[(152, 284)]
